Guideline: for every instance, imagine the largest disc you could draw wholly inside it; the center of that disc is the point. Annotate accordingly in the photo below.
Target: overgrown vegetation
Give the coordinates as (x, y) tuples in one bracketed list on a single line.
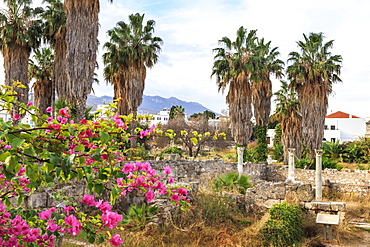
[(232, 182), (285, 226)]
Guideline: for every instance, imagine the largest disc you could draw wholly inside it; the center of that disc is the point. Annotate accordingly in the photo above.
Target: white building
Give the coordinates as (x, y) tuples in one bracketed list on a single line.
[(162, 117), (339, 126), (343, 127)]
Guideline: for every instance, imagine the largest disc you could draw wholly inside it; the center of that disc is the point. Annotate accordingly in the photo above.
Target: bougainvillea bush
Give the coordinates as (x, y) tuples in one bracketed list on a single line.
[(58, 150)]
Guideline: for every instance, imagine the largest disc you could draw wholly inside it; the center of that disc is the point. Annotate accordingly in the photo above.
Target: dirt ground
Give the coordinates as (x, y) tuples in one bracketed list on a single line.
[(362, 241)]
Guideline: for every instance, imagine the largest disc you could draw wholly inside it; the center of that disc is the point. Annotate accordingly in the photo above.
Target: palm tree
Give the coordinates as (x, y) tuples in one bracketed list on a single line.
[(312, 73), (262, 92), (287, 111), (233, 67), (132, 49), (81, 46), (42, 69), (19, 34), (55, 34), (177, 112)]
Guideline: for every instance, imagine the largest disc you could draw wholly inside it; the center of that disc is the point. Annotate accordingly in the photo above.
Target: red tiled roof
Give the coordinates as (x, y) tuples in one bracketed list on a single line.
[(340, 114)]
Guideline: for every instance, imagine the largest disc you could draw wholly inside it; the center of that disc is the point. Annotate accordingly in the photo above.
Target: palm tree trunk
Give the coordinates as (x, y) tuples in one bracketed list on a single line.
[(82, 44), (43, 93), (60, 73), (291, 136), (16, 69), (313, 105)]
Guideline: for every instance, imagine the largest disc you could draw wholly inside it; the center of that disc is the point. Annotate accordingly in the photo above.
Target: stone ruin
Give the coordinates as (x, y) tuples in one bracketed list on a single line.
[(270, 185)]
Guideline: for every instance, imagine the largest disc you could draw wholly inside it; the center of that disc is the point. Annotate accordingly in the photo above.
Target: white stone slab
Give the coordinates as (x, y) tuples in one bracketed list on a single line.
[(328, 219)]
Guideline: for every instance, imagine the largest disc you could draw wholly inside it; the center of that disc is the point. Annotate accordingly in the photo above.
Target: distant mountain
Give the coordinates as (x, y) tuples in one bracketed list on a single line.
[(153, 104)]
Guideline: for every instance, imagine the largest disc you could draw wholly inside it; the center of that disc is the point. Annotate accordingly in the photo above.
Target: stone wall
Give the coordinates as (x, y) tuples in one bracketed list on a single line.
[(346, 181), (269, 182)]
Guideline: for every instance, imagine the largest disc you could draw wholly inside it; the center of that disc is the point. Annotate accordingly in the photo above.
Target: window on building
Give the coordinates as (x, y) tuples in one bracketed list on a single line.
[(268, 140), (158, 118), (332, 127), (325, 127), (165, 119), (332, 139)]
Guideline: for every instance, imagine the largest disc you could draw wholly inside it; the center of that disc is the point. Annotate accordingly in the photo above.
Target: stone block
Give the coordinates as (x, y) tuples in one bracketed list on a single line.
[(338, 206), (305, 193), (270, 203), (325, 206)]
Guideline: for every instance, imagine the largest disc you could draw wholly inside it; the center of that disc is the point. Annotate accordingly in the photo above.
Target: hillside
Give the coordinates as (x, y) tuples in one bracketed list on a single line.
[(153, 104)]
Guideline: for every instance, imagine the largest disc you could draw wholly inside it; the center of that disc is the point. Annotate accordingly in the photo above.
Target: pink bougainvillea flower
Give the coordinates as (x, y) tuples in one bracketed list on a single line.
[(8, 146), (64, 112), (116, 240), (16, 116), (103, 206), (55, 126), (83, 121), (111, 219), (68, 209), (89, 200), (183, 191), (76, 225), (44, 215), (49, 109), (167, 170), (175, 197), (30, 103), (149, 196), (52, 226), (171, 180)]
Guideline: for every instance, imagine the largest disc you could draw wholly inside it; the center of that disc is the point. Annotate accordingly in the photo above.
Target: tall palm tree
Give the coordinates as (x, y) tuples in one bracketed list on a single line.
[(42, 69), (20, 32), (287, 111), (81, 46), (132, 48), (262, 91), (177, 111), (312, 73), (55, 34), (233, 66)]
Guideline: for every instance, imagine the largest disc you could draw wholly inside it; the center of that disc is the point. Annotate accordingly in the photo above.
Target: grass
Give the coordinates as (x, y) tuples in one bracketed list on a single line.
[(217, 221)]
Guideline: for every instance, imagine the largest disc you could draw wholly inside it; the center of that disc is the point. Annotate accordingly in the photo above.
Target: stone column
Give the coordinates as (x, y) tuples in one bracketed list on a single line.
[(318, 174), (240, 159), (291, 164)]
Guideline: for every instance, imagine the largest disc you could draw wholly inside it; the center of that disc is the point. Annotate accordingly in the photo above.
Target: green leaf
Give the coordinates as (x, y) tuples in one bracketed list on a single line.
[(31, 173), (91, 237), (30, 151), (104, 137), (113, 195), (98, 188), (80, 148), (10, 164), (20, 199), (101, 239), (4, 156)]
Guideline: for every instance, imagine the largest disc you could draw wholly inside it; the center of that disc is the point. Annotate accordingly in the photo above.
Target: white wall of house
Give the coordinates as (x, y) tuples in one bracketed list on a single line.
[(344, 129)]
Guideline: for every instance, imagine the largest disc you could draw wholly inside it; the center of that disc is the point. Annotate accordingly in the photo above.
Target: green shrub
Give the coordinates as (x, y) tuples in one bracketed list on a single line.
[(138, 216), (278, 152), (331, 164), (285, 226), (232, 182), (171, 150), (304, 163), (138, 153)]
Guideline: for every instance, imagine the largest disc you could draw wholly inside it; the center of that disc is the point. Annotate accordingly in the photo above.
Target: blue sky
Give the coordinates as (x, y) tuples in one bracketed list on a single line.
[(190, 30)]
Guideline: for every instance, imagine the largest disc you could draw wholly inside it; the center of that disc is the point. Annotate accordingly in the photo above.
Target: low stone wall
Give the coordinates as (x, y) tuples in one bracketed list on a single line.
[(347, 181), (269, 182)]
